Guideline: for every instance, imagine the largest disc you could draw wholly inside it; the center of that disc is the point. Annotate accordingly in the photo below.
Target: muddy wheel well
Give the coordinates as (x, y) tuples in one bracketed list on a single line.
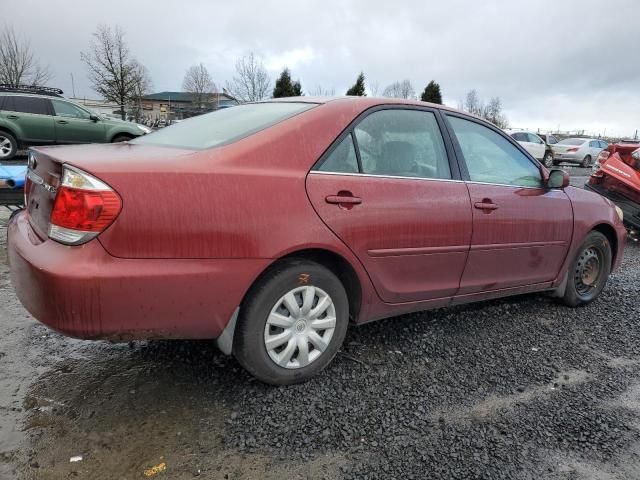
[(340, 267), (610, 233)]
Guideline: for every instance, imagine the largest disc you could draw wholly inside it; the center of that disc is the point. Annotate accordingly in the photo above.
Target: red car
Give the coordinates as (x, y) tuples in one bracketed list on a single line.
[(616, 175), (271, 226)]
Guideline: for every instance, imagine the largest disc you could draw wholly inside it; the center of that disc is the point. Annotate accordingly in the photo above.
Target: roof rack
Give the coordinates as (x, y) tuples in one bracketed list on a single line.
[(36, 89)]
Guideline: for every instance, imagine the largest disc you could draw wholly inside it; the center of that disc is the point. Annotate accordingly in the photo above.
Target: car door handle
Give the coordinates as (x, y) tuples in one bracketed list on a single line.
[(343, 199), (13, 117), (62, 122), (485, 206)]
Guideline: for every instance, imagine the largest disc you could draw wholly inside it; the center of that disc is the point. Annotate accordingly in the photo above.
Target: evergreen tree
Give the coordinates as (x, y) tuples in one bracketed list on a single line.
[(358, 88), (285, 87), (432, 93)]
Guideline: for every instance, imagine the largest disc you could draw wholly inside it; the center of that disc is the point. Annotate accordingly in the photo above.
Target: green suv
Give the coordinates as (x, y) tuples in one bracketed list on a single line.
[(47, 119)]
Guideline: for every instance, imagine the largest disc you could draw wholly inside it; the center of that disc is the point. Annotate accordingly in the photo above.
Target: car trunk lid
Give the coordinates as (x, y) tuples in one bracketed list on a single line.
[(45, 169)]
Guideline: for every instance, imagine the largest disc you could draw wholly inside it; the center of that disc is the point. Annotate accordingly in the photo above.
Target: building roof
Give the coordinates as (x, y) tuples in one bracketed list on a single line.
[(179, 96)]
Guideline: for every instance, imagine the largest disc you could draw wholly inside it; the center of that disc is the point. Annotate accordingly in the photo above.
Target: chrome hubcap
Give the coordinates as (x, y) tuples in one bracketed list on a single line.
[(300, 326), (587, 271), (5, 146)]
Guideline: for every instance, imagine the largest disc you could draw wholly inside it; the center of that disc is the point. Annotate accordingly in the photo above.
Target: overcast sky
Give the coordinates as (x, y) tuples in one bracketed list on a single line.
[(568, 64)]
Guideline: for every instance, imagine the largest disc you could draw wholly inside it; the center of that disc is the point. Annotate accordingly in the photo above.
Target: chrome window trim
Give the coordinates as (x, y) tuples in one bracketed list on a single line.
[(316, 172)]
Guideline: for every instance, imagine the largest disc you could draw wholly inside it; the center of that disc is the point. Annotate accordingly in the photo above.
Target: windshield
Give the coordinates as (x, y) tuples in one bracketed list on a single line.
[(223, 126), (572, 141)]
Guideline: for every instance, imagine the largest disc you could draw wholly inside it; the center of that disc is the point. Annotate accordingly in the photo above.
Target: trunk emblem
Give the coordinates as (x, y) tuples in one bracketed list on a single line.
[(37, 179)]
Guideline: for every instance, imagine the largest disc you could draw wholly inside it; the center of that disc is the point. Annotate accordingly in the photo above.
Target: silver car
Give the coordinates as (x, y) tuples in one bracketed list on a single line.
[(578, 150)]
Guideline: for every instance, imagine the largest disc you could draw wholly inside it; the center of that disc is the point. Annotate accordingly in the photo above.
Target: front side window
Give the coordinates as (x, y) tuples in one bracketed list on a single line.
[(405, 143), (36, 105), (533, 138), (491, 158), (224, 126), (68, 110), (342, 159)]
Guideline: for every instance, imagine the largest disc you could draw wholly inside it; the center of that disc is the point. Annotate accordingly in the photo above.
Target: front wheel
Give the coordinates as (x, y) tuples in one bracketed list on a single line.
[(589, 271), (547, 160), (586, 161), (292, 323), (8, 146), (121, 138)]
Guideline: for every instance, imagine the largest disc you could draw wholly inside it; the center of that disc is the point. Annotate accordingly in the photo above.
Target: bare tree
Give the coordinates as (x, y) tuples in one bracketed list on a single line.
[(199, 84), (17, 63), (142, 86), (251, 82), (402, 89), (114, 73), (472, 103), (322, 92), (491, 111), (374, 88)]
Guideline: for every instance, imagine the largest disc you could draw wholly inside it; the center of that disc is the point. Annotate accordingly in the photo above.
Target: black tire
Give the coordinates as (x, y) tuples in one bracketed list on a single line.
[(586, 161), (547, 160), (249, 339), (578, 291), (8, 144), (121, 138)]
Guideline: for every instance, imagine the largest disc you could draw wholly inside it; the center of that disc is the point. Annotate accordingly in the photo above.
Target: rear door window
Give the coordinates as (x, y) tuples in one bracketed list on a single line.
[(404, 143), (16, 103), (342, 159), (491, 158)]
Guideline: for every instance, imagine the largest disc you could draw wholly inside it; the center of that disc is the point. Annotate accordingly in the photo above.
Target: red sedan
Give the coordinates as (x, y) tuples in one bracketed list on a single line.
[(271, 226)]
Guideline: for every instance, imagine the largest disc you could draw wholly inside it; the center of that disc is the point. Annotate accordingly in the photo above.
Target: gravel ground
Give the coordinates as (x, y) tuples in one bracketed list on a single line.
[(518, 388)]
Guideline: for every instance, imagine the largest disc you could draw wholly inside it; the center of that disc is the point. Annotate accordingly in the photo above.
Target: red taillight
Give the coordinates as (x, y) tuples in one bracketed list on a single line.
[(84, 207), (573, 149), (86, 210)]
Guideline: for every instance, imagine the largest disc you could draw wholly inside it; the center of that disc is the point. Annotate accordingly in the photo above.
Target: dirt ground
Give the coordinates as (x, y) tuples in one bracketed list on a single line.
[(518, 388)]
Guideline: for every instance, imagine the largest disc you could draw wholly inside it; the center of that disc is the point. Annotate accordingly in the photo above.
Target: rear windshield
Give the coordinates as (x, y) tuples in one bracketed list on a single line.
[(223, 126), (572, 141)]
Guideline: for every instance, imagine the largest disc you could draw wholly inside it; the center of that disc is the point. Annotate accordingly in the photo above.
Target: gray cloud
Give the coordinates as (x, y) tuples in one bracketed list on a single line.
[(571, 63)]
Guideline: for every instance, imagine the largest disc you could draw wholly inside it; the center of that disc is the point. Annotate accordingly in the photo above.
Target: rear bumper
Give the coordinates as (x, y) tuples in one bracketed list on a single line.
[(86, 293), (567, 157)]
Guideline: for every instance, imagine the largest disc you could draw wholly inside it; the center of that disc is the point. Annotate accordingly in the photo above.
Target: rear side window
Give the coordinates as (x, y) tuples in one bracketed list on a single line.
[(491, 158), (223, 126), (405, 143), (14, 103), (342, 159)]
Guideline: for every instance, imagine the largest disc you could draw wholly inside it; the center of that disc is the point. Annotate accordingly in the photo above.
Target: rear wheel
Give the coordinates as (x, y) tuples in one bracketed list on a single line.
[(548, 160), (292, 323), (589, 270), (586, 162), (8, 146)]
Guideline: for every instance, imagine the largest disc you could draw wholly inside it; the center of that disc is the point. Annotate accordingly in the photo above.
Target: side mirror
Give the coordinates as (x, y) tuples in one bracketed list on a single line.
[(93, 117), (558, 179)]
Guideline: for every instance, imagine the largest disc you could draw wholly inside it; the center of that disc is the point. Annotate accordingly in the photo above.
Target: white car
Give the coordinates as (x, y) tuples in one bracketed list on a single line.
[(531, 142)]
